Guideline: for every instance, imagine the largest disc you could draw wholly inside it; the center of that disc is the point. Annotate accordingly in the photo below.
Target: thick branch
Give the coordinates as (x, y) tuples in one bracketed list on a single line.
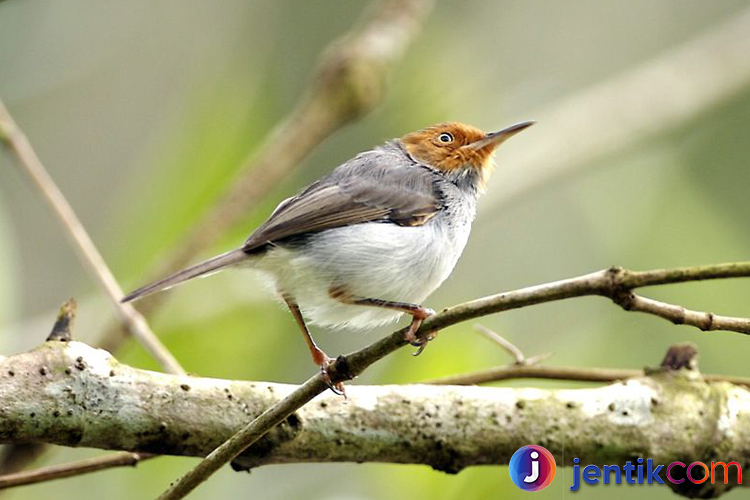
[(71, 394)]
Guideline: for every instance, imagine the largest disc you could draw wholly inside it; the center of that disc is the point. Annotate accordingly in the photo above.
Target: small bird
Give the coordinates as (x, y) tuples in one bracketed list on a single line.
[(372, 239)]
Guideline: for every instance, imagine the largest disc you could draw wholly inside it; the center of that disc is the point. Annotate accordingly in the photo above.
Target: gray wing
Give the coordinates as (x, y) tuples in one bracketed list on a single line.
[(379, 185)]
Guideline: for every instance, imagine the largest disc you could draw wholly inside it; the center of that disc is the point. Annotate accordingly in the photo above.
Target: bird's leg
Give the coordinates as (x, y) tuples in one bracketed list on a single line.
[(418, 313), (319, 357)]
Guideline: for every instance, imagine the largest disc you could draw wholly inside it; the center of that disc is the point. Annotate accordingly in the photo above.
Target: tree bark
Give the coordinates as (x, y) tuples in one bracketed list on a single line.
[(71, 394)]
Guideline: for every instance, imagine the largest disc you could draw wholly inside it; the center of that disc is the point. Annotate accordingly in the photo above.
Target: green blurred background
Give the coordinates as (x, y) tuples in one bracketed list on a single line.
[(143, 110)]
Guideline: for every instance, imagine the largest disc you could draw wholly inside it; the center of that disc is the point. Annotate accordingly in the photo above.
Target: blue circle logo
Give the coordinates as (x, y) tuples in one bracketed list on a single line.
[(532, 468)]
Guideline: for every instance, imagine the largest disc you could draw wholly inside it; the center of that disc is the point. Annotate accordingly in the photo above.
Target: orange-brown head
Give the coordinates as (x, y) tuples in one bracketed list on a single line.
[(452, 147)]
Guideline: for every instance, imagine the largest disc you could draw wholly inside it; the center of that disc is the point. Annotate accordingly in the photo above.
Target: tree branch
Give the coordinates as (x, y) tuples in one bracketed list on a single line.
[(617, 284), (506, 345), (18, 145), (614, 283), (72, 469), (86, 398), (572, 373)]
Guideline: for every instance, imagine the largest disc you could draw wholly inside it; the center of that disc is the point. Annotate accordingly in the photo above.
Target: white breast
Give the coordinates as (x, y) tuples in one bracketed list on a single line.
[(371, 260)]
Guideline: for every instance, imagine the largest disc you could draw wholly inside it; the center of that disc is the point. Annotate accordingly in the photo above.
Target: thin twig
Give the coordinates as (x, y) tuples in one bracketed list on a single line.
[(614, 283), (538, 358), (502, 342), (518, 355), (680, 315), (513, 371), (350, 79), (569, 373), (17, 143), (43, 474)]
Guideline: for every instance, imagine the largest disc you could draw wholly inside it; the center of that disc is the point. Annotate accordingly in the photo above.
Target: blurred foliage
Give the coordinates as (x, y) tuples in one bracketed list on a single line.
[(142, 112), (8, 283)]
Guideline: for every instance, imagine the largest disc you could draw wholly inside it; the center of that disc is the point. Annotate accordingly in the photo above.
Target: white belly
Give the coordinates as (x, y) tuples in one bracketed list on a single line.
[(372, 260)]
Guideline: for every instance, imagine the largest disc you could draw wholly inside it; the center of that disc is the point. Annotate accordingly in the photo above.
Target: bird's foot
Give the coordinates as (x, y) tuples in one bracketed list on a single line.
[(420, 344), (338, 387), (324, 362), (411, 334)]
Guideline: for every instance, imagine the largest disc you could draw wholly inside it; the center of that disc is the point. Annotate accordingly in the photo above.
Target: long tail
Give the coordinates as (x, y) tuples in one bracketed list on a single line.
[(200, 269)]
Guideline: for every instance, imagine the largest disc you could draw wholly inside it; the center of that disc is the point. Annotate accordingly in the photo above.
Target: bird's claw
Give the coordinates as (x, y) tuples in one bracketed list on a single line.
[(338, 387), (324, 361), (420, 344), (411, 333)]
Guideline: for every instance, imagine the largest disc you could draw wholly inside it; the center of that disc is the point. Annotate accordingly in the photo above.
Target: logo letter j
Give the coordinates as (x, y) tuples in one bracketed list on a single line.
[(534, 468)]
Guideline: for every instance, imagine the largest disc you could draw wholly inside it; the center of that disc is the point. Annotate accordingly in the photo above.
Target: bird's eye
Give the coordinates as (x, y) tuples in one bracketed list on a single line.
[(445, 137)]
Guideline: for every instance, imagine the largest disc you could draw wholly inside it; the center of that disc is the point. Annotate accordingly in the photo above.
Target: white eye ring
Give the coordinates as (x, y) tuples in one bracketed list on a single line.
[(445, 137)]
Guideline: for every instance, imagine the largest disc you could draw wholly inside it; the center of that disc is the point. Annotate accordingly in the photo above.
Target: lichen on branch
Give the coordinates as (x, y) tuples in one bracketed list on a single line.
[(71, 394)]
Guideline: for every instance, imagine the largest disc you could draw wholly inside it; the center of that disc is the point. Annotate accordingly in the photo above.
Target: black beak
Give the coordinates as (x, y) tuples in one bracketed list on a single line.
[(494, 139)]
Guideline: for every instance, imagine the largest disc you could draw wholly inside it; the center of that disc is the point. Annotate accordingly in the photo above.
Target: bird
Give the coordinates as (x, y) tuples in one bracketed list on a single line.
[(371, 240)]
